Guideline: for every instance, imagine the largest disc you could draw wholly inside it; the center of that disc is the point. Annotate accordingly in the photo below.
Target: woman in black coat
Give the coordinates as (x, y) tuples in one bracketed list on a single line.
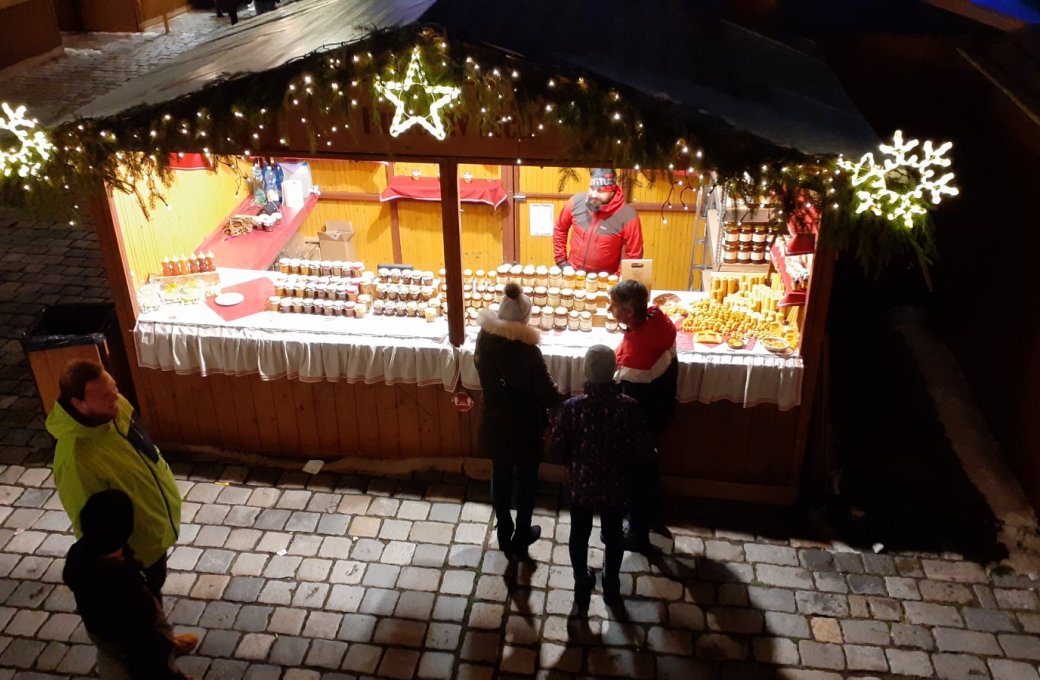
[(518, 392)]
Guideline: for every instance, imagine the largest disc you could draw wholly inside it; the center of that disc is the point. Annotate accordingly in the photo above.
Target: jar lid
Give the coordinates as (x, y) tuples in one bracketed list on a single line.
[(529, 269), (574, 315), (555, 271), (567, 292), (568, 271), (560, 311), (540, 290), (536, 310), (541, 270), (586, 315), (553, 290)]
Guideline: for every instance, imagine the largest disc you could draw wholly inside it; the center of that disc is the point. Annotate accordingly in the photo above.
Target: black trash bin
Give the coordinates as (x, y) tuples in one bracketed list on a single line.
[(67, 332)]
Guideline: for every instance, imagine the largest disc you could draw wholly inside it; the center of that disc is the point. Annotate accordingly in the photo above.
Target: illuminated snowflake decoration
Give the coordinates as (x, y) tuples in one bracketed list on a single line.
[(415, 86), (32, 148), (905, 184)]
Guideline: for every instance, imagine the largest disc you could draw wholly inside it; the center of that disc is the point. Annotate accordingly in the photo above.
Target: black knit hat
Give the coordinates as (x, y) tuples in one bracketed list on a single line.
[(107, 520)]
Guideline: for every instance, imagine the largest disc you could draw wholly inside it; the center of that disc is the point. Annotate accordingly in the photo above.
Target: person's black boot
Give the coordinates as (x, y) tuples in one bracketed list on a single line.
[(584, 585), (611, 590), (523, 538)]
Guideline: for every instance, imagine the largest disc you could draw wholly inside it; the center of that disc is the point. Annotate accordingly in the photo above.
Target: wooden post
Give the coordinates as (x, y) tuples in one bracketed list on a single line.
[(395, 221), (450, 224)]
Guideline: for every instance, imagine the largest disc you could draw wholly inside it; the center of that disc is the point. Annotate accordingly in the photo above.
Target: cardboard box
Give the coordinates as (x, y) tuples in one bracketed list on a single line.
[(336, 242), (639, 270)]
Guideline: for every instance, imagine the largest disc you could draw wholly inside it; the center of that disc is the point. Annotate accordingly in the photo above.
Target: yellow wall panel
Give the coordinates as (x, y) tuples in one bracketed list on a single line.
[(481, 236), (425, 169), (546, 180), (353, 176), (197, 202), (422, 245), (370, 221), (481, 171)]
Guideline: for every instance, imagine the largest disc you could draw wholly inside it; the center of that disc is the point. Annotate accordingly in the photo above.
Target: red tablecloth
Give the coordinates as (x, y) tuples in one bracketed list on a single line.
[(255, 293), (257, 249), (487, 191)]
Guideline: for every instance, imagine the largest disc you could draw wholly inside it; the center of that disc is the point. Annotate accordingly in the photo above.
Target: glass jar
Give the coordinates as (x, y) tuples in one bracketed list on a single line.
[(569, 277), (758, 253), (553, 297), (384, 274), (574, 321), (592, 282), (759, 235), (360, 310), (547, 319), (560, 318), (480, 277), (744, 254), (321, 291), (314, 267), (426, 280), (488, 298), (307, 306), (541, 276), (516, 274), (378, 307), (503, 273), (527, 276), (467, 276), (535, 318), (273, 303), (580, 298), (732, 233), (395, 275), (729, 255), (286, 305), (612, 324), (746, 233), (325, 268), (283, 266), (294, 266), (567, 298), (401, 308), (430, 314), (541, 295), (279, 286), (492, 277), (555, 277), (364, 299), (604, 281), (579, 279), (586, 321)]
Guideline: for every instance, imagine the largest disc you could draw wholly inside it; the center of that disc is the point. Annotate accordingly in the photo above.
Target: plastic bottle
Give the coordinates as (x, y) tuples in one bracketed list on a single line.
[(259, 195), (271, 185), (279, 177)]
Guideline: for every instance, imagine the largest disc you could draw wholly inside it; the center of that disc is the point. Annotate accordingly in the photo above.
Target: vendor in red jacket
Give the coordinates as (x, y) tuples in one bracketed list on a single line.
[(605, 228)]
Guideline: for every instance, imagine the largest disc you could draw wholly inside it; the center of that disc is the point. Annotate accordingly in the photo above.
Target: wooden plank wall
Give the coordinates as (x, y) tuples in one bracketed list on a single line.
[(670, 244), (196, 203), (719, 442)]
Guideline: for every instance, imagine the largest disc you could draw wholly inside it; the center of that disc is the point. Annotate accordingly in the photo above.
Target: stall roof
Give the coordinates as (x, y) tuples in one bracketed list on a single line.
[(723, 80)]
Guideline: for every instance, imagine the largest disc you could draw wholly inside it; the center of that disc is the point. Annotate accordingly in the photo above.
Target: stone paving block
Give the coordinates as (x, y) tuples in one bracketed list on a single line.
[(183, 558), (413, 510), (249, 564), (286, 620), (335, 547), (907, 662), (262, 672), (825, 604), (866, 584), (863, 658), (51, 656), (787, 625), (428, 555), (989, 620), (398, 663), (253, 618), (959, 667), (902, 588), (1016, 599), (972, 642), (333, 524), (219, 643), (288, 650), (79, 660), (219, 615), (59, 627), (443, 636), (242, 539), (367, 550), (1005, 669), (773, 554), (734, 620), (962, 572), (419, 578), (830, 582), (306, 545), (449, 608), (395, 530), (415, 605), (400, 632), (436, 665), (22, 655), (1020, 646), (929, 614), (282, 566), (274, 542), (879, 565), (908, 635), (718, 647), (945, 592), (381, 576), (347, 571), (362, 658), (271, 519), (884, 608), (324, 625), (620, 662), (771, 599), (313, 569), (723, 551), (775, 651), (212, 536), (865, 632), (658, 588), (379, 601), (357, 628), (478, 646), (821, 655), (432, 532), (326, 653), (26, 622), (826, 629), (345, 598), (254, 646), (277, 592), (215, 561), (786, 577), (849, 563)]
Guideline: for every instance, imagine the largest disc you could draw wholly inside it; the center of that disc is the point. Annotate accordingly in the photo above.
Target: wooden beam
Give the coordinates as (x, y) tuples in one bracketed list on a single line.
[(451, 225), (510, 240), (638, 205), (395, 221)]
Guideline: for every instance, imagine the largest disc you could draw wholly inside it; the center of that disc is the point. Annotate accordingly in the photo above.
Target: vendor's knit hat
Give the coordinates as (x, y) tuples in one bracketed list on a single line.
[(600, 364), (515, 306), (603, 178), (107, 520)]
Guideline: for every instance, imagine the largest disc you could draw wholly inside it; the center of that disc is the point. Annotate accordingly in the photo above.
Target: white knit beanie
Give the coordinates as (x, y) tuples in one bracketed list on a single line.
[(515, 306)]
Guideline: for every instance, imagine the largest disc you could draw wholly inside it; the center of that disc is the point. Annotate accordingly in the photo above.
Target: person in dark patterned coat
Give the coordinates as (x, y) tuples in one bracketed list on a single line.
[(518, 392), (601, 437)]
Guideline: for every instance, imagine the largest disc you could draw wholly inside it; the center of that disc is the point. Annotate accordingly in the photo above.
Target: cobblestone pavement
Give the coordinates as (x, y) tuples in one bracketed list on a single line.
[(334, 576), (95, 63), (285, 575)]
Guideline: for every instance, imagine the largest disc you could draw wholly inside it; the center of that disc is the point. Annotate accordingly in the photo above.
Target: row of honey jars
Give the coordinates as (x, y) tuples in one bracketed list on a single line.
[(412, 277), (287, 265), (193, 264)]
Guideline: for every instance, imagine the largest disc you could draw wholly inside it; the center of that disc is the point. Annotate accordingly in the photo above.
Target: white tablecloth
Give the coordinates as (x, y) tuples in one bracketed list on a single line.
[(195, 339), (705, 375)]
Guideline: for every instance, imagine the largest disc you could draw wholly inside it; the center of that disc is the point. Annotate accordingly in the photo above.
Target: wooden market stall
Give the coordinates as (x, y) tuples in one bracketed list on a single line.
[(326, 391)]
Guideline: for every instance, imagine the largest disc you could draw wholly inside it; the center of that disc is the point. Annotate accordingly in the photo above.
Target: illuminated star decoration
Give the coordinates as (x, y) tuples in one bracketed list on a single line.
[(400, 91), (904, 184), (31, 149)]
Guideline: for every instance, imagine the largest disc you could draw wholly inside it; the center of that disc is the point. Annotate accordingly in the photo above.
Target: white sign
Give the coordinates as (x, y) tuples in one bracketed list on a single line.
[(542, 219)]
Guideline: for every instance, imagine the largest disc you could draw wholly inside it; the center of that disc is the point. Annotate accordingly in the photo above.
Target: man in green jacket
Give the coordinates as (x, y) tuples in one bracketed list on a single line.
[(103, 445)]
